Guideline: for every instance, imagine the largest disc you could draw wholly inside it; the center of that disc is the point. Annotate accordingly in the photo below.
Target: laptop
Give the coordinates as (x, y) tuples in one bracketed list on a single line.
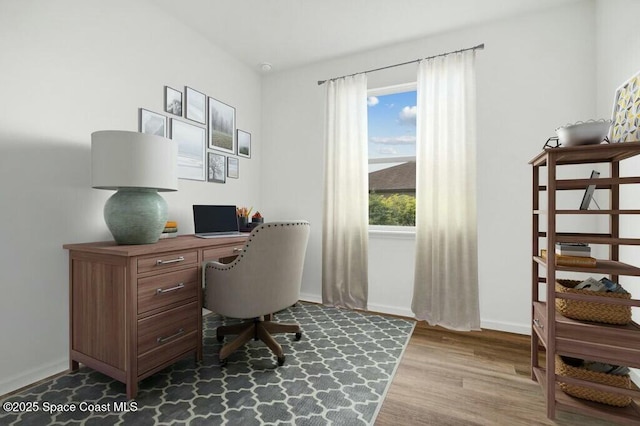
[(215, 221)]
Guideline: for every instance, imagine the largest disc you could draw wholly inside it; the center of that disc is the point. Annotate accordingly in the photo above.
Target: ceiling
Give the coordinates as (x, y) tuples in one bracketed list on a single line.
[(291, 33)]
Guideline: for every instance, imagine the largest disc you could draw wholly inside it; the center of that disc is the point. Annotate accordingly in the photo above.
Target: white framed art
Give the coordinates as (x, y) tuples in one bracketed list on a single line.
[(216, 167), (196, 102), (172, 101), (152, 123), (191, 141), (222, 126), (244, 144)]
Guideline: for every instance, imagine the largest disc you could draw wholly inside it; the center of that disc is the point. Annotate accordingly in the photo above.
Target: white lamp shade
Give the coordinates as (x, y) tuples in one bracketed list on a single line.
[(123, 159)]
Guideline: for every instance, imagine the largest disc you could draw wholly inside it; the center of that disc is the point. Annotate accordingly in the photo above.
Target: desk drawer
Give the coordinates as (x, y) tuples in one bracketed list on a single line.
[(161, 262), (180, 346), (163, 290), (220, 252), (160, 332)]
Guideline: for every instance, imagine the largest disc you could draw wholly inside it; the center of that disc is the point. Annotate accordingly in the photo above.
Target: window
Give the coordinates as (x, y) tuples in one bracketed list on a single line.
[(392, 155)]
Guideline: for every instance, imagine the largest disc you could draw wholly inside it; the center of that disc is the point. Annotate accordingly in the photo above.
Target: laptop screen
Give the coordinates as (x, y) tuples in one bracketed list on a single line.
[(208, 219)]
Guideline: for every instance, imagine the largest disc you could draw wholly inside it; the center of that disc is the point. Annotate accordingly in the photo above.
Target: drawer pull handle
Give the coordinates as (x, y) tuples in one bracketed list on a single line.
[(237, 250), (165, 339), (537, 323), (166, 262), (168, 290)]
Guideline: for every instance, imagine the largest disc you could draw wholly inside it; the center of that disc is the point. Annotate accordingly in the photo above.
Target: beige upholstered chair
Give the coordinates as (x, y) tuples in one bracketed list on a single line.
[(265, 278)]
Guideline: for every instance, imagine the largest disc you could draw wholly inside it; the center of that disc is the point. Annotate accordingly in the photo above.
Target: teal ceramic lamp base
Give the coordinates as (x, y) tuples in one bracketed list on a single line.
[(136, 215)]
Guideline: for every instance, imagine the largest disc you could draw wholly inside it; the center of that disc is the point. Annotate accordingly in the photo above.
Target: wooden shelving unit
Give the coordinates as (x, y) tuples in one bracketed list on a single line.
[(554, 333)]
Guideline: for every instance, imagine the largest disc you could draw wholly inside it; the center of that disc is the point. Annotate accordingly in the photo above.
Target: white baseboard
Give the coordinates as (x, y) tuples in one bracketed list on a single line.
[(26, 378), (406, 312), (382, 309), (509, 327), (392, 310), (308, 297)]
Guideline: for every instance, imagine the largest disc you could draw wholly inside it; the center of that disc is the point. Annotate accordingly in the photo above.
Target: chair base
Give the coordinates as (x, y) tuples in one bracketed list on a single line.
[(257, 329)]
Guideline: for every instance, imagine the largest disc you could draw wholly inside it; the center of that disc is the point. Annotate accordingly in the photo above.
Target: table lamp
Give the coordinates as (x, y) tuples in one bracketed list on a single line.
[(137, 166)]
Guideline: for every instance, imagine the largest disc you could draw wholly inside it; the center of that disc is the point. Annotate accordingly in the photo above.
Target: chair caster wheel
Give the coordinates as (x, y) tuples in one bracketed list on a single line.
[(220, 339), (281, 360), (298, 336), (223, 362)]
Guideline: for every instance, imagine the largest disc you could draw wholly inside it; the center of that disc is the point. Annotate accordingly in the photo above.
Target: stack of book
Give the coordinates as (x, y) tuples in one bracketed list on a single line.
[(579, 256), (170, 230), (573, 249)]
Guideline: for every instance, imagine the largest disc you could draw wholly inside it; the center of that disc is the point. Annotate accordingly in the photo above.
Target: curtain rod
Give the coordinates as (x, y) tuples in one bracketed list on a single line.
[(478, 47)]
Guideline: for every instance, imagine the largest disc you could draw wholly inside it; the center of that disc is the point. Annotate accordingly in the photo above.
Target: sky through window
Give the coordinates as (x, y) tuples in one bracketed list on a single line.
[(392, 125)]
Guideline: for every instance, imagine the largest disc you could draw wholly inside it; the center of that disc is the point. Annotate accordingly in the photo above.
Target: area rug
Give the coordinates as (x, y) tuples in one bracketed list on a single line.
[(337, 374)]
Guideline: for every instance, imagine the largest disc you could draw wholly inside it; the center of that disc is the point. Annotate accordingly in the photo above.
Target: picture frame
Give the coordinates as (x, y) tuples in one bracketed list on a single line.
[(244, 143), (233, 167), (625, 120), (152, 123), (196, 105), (588, 193), (191, 141), (216, 168), (222, 126), (172, 101)]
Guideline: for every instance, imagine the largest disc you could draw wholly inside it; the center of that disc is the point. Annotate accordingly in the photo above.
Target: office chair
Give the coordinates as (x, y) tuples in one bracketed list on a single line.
[(264, 279)]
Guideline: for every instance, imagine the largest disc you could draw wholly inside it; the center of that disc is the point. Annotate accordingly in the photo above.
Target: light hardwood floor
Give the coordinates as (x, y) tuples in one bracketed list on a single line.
[(478, 378)]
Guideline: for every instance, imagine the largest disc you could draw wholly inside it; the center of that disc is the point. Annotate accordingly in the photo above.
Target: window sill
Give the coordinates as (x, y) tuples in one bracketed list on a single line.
[(402, 232)]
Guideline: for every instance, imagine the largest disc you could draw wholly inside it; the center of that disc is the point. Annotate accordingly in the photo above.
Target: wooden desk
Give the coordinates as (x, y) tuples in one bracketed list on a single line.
[(135, 309)]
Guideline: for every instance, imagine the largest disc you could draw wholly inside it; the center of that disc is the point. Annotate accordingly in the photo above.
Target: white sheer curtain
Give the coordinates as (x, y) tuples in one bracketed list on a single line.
[(446, 272), (346, 211)]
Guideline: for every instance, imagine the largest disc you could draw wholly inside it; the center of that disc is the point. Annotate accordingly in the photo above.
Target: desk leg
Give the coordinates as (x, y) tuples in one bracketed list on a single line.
[(132, 389)]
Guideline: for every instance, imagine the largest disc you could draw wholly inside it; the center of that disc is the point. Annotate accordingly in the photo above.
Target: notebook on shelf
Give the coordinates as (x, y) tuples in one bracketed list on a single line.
[(214, 221)]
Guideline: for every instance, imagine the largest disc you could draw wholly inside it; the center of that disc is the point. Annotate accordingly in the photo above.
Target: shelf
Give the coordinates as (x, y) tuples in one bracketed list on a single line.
[(625, 415), (553, 332), (600, 183), (585, 154), (602, 267), (590, 212), (592, 238)]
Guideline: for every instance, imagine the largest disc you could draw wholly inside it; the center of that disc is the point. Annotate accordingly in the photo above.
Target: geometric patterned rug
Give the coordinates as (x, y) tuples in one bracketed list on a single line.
[(337, 374)]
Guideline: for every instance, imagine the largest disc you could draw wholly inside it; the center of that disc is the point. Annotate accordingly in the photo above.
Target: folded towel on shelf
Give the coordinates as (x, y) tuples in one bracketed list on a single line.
[(602, 367), (599, 367), (591, 284), (602, 285)]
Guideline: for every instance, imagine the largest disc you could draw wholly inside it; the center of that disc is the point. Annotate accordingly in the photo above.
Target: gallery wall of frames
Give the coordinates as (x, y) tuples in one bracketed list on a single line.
[(209, 144)]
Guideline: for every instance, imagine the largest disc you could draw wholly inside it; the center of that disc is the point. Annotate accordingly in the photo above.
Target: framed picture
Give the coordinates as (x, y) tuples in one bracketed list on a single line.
[(244, 144), (152, 122), (196, 105), (233, 167), (625, 126), (172, 101), (191, 148), (216, 168), (222, 126), (588, 193)]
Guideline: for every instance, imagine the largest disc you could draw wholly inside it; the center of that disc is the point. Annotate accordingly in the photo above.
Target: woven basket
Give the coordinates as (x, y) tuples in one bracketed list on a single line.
[(592, 311), (595, 395)]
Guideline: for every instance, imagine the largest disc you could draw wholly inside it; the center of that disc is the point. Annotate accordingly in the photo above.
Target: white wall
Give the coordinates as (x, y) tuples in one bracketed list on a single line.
[(536, 73), (618, 54), (68, 68)]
